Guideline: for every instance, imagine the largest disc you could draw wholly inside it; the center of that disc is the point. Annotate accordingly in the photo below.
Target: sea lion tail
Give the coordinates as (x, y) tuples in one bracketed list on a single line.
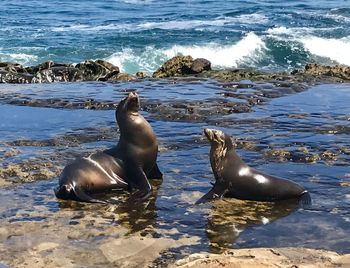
[(305, 199)]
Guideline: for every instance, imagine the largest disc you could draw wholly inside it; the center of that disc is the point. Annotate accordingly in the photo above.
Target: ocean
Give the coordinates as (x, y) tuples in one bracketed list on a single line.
[(140, 35), (287, 128)]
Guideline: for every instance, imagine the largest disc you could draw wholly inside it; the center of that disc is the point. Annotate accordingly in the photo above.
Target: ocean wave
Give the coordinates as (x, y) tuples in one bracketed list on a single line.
[(248, 50), (247, 19), (131, 61), (223, 56), (334, 49)]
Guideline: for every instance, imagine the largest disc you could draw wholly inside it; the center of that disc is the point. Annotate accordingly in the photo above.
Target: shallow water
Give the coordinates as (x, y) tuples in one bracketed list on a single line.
[(303, 137)]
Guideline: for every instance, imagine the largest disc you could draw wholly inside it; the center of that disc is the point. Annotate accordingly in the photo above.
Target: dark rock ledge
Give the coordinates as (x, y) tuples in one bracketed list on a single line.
[(179, 66)]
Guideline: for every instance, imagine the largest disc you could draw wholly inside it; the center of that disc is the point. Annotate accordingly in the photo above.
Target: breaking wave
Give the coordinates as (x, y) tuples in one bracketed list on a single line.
[(247, 50)]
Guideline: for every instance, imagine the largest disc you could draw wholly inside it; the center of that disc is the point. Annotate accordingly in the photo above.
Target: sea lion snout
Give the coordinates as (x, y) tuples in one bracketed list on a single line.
[(208, 133), (133, 101)]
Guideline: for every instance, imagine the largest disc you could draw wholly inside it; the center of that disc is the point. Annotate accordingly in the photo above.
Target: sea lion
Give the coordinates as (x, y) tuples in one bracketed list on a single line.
[(128, 165), (236, 179)]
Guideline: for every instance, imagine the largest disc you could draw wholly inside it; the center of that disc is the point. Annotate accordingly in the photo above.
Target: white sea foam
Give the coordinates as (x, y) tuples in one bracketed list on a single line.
[(254, 18), (136, 2), (89, 28), (296, 32), (337, 17), (331, 48), (21, 58), (223, 56), (131, 61), (193, 24), (247, 50), (334, 49)]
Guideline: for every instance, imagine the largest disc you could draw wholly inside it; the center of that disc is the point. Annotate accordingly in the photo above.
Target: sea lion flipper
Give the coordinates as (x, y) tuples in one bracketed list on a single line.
[(136, 177), (82, 196), (216, 192), (305, 200), (155, 173)]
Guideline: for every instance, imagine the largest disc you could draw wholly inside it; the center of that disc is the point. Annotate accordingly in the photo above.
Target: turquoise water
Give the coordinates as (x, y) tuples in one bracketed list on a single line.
[(140, 35)]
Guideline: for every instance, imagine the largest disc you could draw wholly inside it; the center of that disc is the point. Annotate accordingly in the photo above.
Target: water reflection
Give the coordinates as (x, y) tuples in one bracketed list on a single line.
[(230, 217), (122, 209)]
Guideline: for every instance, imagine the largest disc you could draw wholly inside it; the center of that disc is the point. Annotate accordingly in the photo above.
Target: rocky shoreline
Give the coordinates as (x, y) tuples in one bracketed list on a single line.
[(179, 66)]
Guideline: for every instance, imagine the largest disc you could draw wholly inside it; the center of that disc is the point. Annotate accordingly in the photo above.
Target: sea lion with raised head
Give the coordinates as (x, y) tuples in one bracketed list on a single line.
[(128, 165), (234, 178)]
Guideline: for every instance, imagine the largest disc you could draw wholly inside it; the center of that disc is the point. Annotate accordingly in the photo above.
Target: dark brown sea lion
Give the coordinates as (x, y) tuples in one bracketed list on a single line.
[(128, 165), (236, 179)]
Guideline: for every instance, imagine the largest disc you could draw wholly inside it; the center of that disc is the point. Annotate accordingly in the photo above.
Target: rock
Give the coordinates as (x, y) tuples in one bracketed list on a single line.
[(121, 77), (199, 65), (97, 70), (109, 66), (136, 251), (45, 246), (59, 74), (12, 67), (236, 75), (16, 78), (339, 71), (181, 66), (266, 257), (44, 66), (14, 73), (140, 75), (176, 66)]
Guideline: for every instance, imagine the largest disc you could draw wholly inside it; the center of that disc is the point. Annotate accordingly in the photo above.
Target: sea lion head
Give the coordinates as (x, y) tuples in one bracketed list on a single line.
[(218, 138), (130, 104), (65, 191), (220, 144)]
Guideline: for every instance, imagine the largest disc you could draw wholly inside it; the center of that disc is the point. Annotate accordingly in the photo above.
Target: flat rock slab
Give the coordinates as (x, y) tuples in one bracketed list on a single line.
[(266, 258), (139, 251)]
